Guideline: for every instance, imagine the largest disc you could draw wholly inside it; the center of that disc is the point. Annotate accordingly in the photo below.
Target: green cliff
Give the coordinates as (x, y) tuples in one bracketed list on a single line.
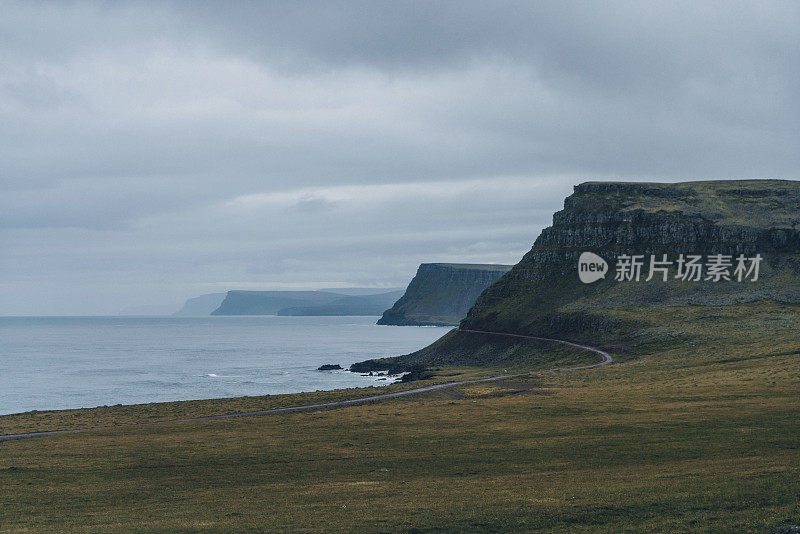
[(543, 296), (440, 294)]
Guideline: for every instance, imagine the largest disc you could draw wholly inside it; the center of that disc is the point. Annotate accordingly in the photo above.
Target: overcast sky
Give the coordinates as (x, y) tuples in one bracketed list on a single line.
[(151, 152)]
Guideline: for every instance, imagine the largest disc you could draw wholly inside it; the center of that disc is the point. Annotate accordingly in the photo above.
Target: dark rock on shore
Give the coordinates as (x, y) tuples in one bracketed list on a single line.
[(379, 364), (392, 367), (329, 367), (416, 372)]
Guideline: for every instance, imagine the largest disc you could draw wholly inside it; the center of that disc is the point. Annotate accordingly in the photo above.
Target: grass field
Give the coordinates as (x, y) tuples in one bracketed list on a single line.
[(702, 435)]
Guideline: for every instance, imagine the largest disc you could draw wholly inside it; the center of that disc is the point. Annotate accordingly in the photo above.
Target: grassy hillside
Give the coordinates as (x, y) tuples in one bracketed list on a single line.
[(694, 428), (756, 203), (696, 437)]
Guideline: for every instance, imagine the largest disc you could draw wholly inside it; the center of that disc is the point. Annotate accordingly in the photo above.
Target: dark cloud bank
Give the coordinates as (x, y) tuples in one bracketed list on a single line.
[(152, 152)]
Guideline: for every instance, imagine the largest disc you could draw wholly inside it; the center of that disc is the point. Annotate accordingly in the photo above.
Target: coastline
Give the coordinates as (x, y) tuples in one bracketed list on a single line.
[(153, 412), (430, 383), (70, 363)]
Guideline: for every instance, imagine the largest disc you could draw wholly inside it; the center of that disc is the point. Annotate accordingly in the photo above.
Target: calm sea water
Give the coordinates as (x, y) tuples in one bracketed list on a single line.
[(73, 362)]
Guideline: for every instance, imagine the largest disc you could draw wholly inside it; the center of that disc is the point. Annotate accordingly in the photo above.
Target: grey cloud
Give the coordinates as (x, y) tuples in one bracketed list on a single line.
[(158, 150)]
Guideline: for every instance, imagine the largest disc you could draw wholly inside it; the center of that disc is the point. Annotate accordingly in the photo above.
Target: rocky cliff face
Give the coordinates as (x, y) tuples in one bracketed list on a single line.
[(441, 293), (542, 295)]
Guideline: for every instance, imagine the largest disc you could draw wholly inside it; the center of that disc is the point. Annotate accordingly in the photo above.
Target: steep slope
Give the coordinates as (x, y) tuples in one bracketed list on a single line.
[(351, 305), (202, 305), (543, 295), (442, 293)]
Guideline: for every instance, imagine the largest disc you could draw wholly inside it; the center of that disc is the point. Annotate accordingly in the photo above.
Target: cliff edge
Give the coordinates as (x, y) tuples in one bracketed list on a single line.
[(724, 226), (440, 294)]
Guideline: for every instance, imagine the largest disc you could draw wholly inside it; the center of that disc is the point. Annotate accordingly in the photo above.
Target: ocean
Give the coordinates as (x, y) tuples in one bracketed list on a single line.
[(51, 363)]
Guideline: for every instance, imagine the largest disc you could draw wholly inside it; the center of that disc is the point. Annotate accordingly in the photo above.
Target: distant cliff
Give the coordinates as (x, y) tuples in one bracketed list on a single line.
[(350, 305), (352, 301), (543, 296), (202, 305), (270, 302), (441, 293)]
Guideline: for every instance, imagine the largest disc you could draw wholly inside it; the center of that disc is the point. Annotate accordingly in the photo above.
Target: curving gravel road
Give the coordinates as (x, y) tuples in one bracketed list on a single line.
[(606, 356), (606, 360)]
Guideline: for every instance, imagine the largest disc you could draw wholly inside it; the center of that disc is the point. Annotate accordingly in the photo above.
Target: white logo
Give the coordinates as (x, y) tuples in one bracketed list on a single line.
[(591, 267)]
